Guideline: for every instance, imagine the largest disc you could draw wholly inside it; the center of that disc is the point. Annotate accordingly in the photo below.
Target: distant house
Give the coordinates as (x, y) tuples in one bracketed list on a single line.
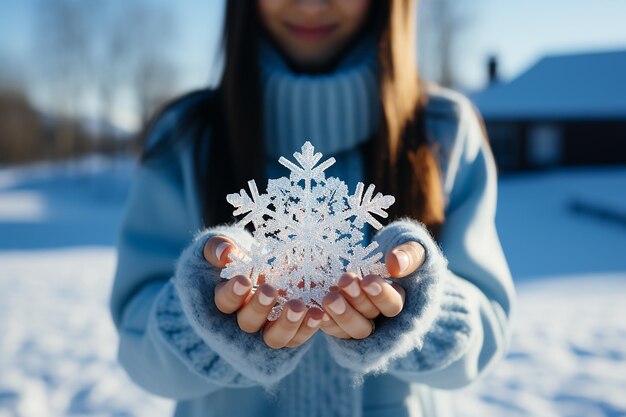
[(564, 110)]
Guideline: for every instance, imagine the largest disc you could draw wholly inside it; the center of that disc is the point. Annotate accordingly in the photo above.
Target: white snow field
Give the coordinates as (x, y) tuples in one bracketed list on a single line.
[(564, 233), (57, 349), (568, 353)]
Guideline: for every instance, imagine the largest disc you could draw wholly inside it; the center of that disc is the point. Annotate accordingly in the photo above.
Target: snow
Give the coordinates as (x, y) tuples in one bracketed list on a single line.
[(58, 345), (22, 206), (57, 351), (568, 356), (50, 205), (542, 232), (551, 89)]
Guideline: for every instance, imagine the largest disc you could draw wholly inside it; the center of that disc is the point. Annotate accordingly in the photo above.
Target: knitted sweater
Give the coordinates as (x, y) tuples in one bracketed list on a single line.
[(175, 343)]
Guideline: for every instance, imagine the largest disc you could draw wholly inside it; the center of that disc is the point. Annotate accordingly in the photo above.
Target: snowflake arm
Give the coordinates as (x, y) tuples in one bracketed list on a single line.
[(362, 206), (362, 263), (307, 159), (254, 207)]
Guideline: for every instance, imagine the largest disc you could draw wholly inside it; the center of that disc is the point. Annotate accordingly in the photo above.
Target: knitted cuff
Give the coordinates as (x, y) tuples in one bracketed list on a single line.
[(194, 281), (170, 324), (451, 334), (395, 337)]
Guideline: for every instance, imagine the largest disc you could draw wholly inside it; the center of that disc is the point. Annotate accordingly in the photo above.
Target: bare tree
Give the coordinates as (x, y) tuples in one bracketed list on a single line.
[(89, 49), (63, 47), (154, 75), (441, 26), (20, 126), (20, 129), (136, 57)]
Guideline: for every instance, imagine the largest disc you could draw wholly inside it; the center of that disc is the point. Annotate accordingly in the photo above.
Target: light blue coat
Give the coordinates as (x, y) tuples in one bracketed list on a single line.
[(454, 326)]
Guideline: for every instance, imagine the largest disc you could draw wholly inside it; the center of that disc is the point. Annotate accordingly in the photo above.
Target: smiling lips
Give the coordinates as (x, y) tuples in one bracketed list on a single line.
[(311, 33)]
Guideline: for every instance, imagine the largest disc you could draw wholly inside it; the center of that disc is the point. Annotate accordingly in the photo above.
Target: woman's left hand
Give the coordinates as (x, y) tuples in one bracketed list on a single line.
[(353, 303)]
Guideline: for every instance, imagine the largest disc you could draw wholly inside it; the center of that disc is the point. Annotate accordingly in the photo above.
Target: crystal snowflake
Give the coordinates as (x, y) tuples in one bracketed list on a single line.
[(307, 231)]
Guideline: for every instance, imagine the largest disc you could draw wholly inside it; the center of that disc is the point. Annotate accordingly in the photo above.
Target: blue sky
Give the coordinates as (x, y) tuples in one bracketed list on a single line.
[(521, 32), (518, 32)]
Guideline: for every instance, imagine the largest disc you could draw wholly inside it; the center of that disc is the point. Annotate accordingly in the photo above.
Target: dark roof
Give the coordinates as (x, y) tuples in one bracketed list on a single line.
[(574, 86)]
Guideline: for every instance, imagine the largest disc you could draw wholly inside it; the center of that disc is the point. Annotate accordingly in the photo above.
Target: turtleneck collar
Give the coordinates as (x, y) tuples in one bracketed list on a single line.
[(335, 111)]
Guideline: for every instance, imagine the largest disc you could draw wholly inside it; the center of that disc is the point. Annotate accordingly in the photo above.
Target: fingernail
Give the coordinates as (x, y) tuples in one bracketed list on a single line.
[(403, 260), (220, 249), (313, 322), (373, 289), (353, 289), (338, 306), (239, 288), (294, 315), (265, 299), (325, 317)]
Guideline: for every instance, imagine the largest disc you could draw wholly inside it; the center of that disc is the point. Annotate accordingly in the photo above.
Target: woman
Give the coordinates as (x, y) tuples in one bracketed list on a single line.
[(342, 74)]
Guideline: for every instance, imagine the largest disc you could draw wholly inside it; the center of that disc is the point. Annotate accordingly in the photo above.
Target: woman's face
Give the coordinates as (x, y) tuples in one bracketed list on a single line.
[(312, 32)]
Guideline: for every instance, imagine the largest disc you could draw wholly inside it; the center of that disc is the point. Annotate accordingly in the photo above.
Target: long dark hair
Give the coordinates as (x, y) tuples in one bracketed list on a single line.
[(400, 159)]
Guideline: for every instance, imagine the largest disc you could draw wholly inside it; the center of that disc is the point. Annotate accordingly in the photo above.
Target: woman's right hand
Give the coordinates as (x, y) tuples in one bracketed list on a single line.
[(295, 325)]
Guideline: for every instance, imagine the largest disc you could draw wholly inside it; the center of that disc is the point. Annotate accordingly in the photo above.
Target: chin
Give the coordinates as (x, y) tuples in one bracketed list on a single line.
[(312, 61)]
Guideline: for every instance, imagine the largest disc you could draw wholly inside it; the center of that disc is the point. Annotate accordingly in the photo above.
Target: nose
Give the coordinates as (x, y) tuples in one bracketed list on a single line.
[(312, 7)]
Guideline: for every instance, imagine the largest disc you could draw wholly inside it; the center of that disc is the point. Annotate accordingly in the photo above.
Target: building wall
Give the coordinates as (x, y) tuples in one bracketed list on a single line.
[(505, 138), (528, 145), (595, 142)]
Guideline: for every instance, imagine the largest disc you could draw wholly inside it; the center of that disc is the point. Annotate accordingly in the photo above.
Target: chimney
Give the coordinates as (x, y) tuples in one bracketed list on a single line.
[(492, 70)]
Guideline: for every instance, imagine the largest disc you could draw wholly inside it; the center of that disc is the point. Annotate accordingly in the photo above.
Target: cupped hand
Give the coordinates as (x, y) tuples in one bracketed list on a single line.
[(353, 304), (296, 323)]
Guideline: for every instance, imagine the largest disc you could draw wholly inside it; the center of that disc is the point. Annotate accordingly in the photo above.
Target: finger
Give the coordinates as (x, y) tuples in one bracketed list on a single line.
[(309, 326), (252, 316), (329, 326), (349, 319), (231, 294), (405, 259), (279, 332), (387, 298), (216, 251), (351, 290)]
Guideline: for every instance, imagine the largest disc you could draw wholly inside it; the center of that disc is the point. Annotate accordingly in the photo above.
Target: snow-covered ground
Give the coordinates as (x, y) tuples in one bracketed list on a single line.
[(563, 232), (568, 354), (57, 343)]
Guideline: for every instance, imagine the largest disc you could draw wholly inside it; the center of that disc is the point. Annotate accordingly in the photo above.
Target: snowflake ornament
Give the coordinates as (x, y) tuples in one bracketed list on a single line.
[(307, 231)]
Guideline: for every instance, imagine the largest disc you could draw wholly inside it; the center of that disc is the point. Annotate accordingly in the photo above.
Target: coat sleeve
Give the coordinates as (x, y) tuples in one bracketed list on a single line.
[(455, 321), (172, 339)]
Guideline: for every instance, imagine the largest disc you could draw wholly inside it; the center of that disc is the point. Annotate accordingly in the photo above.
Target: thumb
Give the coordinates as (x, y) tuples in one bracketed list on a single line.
[(405, 259), (217, 249)]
